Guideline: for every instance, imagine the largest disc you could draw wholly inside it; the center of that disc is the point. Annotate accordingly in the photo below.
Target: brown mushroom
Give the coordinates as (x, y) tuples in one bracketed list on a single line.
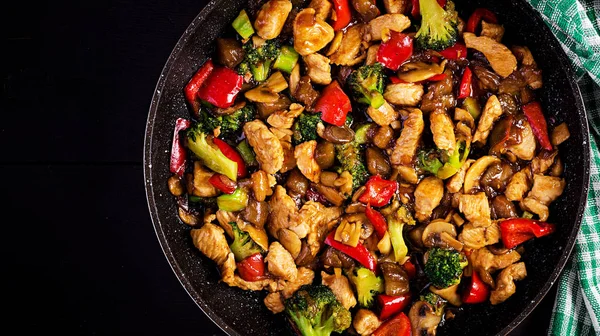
[(450, 294), (441, 234), (423, 319), (477, 169)]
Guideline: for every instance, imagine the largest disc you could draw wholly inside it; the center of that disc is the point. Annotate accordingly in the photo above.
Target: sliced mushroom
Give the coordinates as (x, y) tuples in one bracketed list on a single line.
[(423, 319), (420, 71), (441, 234), (477, 169), (289, 239), (450, 294)]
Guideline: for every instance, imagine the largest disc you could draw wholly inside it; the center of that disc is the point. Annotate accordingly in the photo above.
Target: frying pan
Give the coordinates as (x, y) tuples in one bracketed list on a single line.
[(240, 312)]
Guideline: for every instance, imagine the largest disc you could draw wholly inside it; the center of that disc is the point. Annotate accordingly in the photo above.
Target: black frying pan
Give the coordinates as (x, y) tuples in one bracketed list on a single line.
[(240, 312)]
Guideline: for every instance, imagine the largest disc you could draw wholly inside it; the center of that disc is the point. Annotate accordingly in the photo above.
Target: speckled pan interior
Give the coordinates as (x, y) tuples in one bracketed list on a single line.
[(239, 312)]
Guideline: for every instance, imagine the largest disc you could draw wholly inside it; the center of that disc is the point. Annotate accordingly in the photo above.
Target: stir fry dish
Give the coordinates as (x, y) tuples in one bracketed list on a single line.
[(369, 169)]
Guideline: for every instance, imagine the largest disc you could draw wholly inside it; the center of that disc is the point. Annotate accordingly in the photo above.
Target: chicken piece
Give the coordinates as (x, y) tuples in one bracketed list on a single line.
[(311, 33), (484, 259), (406, 145), (260, 185), (365, 322), (543, 161), (406, 94), (476, 209), (455, 183), (233, 280), (224, 218), (322, 8), (372, 55), (271, 18), (351, 50), (283, 211), (289, 161), (203, 188), (518, 185), (560, 134), (267, 147), (395, 22), (340, 286), (534, 206), (478, 237), (274, 303), (500, 57), (546, 189), (491, 112), (317, 218), (210, 240), (280, 262), (492, 30), (284, 120), (442, 129), (505, 283), (396, 6), (318, 68), (525, 150), (384, 115), (305, 159), (428, 194), (305, 277), (523, 55)]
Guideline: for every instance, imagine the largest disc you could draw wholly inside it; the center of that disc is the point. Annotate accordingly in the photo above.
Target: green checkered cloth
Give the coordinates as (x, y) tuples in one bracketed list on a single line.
[(576, 24)]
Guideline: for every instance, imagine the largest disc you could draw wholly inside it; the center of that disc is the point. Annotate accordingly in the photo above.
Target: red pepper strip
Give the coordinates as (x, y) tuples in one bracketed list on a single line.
[(377, 220), (535, 117), (192, 87), (465, 84), (334, 104), (436, 78), (477, 292), (178, 153), (391, 305), (416, 7), (252, 268), (223, 183), (457, 51), (378, 191), (399, 325), (478, 14), (519, 230), (358, 253), (395, 51), (232, 155), (342, 14), (410, 269), (396, 80), (221, 87)]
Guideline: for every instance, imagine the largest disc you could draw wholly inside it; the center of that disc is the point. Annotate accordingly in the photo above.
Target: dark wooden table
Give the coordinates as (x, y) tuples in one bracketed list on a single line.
[(82, 256)]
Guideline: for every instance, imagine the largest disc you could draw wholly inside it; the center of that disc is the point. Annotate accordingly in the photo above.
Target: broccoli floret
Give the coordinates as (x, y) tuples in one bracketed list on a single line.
[(258, 58), (439, 27), (429, 161), (315, 311), (232, 123), (211, 156), (350, 157), (207, 122), (243, 246), (436, 301), (367, 285), (367, 83), (444, 267), (305, 127)]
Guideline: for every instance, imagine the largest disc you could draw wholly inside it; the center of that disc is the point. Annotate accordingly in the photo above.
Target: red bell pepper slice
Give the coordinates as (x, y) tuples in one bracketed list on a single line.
[(232, 155), (410, 269), (395, 51), (358, 253), (223, 183), (477, 16), (390, 305), (252, 268), (333, 104), (378, 191), (192, 87), (416, 7), (457, 51), (377, 220), (516, 231), (466, 88), (342, 14), (221, 87), (399, 325), (535, 117), (178, 153), (477, 291), (436, 78)]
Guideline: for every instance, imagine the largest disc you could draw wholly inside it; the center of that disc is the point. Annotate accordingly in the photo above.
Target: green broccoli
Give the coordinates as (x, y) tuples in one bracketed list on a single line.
[(243, 246), (351, 159), (315, 311), (367, 83), (367, 285), (428, 160), (201, 145), (305, 128), (439, 27), (259, 57), (444, 267), (436, 301), (230, 124)]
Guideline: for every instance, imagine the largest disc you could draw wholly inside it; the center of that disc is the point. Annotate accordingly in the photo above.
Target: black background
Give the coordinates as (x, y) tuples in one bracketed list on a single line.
[(82, 256)]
